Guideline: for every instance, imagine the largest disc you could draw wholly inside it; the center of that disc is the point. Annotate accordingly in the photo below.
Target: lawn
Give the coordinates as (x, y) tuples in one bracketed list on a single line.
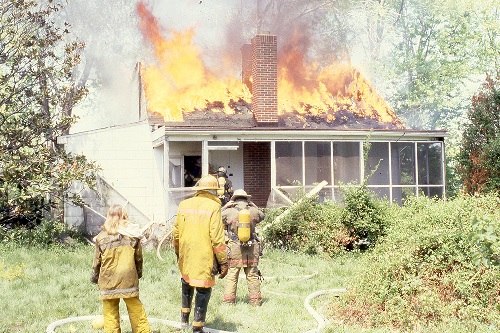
[(41, 286)]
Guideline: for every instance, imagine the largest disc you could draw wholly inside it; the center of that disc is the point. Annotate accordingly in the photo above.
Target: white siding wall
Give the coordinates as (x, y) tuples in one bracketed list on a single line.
[(125, 154)]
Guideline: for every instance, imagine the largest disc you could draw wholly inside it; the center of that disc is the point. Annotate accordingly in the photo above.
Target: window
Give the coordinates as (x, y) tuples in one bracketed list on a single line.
[(346, 161), (403, 163), (430, 168), (395, 170), (289, 163), (378, 164), (317, 162)]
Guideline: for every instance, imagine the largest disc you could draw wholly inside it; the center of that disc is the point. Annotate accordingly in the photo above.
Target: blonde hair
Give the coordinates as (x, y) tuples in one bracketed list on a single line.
[(116, 217)]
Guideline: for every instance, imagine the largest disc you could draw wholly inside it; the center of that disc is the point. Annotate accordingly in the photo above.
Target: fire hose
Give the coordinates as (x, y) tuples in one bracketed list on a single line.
[(317, 316), (51, 328)]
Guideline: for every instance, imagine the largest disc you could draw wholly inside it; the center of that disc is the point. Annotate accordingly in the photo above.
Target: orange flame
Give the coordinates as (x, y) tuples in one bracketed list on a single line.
[(180, 82), (306, 88)]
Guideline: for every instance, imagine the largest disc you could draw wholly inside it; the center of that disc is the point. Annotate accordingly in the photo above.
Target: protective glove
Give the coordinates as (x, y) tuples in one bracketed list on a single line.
[(223, 269)]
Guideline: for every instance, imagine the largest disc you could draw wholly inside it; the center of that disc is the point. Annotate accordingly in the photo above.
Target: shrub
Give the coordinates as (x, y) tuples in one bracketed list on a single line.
[(362, 215), (423, 271), (478, 161), (309, 227), (47, 233)]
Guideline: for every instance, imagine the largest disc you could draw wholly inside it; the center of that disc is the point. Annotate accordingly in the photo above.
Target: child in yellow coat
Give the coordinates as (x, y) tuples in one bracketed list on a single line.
[(117, 268)]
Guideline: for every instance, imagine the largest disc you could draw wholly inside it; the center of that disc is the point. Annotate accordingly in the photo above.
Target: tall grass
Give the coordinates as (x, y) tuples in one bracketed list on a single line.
[(435, 269), (51, 284)]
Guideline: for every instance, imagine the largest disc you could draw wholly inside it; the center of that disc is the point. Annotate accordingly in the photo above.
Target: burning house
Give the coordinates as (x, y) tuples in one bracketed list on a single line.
[(282, 129)]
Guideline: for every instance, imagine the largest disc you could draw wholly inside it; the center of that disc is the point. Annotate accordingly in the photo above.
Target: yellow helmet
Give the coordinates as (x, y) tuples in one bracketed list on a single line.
[(240, 194), (207, 182)]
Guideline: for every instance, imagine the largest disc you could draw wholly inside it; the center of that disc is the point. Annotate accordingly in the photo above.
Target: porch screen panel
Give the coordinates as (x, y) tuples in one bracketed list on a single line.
[(317, 162), (399, 194), (378, 164), (381, 192), (403, 163), (346, 161), (430, 167), (288, 163), (431, 191)]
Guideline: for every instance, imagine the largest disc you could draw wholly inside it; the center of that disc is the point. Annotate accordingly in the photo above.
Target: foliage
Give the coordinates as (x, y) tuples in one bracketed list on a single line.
[(37, 95), (327, 228), (479, 158), (46, 233), (485, 236), (423, 273), (362, 215), (309, 227)]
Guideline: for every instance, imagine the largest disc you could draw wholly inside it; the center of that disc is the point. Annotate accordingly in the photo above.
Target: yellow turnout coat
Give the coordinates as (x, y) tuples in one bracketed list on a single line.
[(117, 265), (199, 235)]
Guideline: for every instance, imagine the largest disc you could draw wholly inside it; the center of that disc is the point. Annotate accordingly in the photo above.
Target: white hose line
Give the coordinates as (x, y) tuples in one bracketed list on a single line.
[(158, 247), (160, 244), (319, 318), (51, 328)]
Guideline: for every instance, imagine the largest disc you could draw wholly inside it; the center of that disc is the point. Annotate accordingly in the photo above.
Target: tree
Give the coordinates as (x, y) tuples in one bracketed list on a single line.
[(37, 95), (479, 159)]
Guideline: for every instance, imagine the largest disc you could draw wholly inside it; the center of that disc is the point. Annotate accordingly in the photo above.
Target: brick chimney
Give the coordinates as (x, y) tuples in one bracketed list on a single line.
[(264, 79)]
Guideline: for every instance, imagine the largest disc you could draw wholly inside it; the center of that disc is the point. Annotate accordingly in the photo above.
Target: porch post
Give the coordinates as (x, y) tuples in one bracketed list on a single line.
[(204, 158), (166, 175), (443, 168), (273, 165)]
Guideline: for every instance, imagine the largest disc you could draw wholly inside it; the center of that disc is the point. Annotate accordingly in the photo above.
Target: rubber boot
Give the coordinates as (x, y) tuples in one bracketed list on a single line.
[(187, 300), (200, 308)]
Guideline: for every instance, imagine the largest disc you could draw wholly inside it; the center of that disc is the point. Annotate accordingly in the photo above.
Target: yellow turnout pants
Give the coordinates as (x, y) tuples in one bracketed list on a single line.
[(253, 282), (136, 313)]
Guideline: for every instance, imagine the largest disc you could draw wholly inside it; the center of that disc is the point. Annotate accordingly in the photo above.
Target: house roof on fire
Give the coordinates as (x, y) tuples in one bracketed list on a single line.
[(334, 100), (215, 116), (214, 121)]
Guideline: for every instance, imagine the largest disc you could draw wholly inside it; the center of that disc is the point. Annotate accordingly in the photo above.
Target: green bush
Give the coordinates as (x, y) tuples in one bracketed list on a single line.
[(362, 215), (429, 267), (47, 233), (309, 227)]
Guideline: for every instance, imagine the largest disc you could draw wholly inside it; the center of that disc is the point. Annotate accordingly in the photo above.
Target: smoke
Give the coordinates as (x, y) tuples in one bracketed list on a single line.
[(114, 43), (110, 29), (112, 48)]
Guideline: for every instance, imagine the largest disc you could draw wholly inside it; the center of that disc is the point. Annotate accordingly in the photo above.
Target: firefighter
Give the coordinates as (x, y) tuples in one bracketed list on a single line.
[(240, 217), (117, 268), (226, 186), (198, 236)]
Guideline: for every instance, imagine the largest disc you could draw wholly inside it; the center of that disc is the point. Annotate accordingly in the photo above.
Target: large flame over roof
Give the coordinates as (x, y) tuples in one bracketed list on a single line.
[(179, 82)]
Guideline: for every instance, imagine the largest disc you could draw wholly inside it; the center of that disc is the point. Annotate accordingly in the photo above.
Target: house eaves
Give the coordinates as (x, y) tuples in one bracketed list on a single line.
[(279, 134)]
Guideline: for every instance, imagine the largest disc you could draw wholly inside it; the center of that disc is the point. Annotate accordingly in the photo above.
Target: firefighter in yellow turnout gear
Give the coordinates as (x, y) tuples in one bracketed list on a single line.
[(198, 236), (117, 268), (225, 186), (240, 217)]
